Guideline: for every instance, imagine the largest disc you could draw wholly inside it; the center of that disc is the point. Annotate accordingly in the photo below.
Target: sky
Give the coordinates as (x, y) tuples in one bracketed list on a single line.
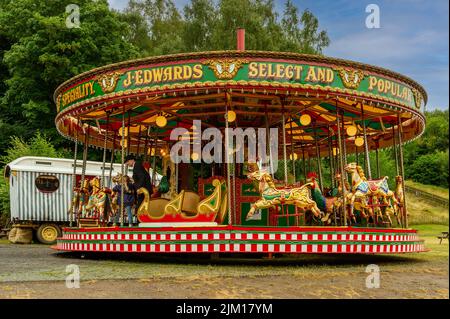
[(413, 38)]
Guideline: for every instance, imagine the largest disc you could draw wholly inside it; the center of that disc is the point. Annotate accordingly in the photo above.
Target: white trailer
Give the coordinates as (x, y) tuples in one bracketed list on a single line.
[(41, 192)]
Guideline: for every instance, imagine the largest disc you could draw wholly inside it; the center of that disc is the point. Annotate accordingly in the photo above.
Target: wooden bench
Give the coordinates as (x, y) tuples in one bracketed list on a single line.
[(443, 236)]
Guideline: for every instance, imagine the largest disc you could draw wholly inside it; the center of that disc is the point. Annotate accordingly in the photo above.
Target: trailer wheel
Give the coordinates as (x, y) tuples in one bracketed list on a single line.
[(47, 233)]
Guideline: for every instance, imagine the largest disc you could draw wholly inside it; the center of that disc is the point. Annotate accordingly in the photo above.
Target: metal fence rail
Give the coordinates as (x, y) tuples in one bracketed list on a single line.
[(434, 199)]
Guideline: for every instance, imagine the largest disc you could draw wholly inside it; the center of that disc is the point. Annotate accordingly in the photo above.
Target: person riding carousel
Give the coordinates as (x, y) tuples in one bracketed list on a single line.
[(141, 177)]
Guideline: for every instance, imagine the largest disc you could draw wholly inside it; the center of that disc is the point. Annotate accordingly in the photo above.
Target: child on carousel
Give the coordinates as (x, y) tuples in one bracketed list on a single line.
[(129, 196)]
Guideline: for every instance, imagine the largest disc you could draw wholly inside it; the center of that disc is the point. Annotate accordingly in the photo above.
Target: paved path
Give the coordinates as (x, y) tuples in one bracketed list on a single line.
[(36, 271)]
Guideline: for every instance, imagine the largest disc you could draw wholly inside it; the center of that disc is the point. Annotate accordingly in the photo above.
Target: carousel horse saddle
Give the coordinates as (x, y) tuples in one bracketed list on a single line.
[(376, 184)]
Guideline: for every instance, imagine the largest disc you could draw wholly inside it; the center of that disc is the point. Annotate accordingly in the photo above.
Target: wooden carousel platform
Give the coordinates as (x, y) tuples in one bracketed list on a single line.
[(239, 239)]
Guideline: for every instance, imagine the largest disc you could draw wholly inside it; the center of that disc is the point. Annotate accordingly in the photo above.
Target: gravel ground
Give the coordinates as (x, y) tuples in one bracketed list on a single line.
[(36, 271)]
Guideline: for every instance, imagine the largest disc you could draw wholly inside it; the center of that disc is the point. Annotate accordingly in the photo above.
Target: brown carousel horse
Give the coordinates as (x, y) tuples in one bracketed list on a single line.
[(99, 203), (272, 196), (363, 189), (80, 198), (326, 204)]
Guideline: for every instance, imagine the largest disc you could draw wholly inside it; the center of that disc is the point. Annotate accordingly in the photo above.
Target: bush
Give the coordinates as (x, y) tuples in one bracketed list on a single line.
[(430, 169)]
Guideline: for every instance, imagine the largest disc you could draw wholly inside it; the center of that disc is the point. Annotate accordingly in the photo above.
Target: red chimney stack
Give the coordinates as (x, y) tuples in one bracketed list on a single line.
[(241, 39)]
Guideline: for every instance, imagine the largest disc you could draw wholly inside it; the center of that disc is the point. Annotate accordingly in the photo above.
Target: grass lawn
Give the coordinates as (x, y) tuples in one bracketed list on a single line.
[(432, 189), (423, 212)]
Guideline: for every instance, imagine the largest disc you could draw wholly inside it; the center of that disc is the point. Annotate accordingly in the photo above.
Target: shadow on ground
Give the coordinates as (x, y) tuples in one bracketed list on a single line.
[(246, 259)]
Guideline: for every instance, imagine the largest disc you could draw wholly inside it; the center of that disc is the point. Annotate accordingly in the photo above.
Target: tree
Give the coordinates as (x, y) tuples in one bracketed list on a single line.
[(200, 22), (159, 25), (208, 25), (44, 53)]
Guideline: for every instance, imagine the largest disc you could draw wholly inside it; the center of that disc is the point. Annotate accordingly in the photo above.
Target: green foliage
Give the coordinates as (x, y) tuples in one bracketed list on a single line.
[(431, 169), (38, 145), (39, 53), (207, 25)]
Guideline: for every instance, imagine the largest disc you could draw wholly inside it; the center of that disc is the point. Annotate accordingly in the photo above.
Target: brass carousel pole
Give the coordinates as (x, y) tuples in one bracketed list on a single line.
[(155, 142), (319, 166), (292, 151), (74, 177), (395, 150), (344, 147), (112, 159), (377, 158), (128, 133), (366, 146), (284, 144), (341, 162), (139, 141), (83, 169), (122, 184), (402, 169), (104, 150), (146, 145), (303, 162), (227, 152), (330, 157)]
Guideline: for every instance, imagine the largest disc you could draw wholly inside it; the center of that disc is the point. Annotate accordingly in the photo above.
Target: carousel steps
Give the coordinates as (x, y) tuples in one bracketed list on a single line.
[(89, 222)]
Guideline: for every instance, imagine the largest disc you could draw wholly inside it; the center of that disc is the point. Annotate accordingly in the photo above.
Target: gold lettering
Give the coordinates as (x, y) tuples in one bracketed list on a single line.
[(311, 77), (147, 76), (289, 72), (157, 75), (262, 70), (198, 71), (298, 72), (91, 88), (372, 82), (280, 71), (321, 75), (253, 70), (330, 76), (138, 77), (177, 70), (187, 72), (127, 81), (380, 85), (387, 87)]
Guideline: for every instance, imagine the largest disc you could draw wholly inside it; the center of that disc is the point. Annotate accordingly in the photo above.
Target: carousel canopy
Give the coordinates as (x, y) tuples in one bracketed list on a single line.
[(158, 94)]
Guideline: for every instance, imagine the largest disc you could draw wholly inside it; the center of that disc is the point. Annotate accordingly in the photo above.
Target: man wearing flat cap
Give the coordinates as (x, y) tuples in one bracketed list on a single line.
[(140, 176)]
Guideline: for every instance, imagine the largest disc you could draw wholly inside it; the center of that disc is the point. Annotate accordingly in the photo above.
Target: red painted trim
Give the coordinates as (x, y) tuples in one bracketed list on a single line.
[(298, 229)]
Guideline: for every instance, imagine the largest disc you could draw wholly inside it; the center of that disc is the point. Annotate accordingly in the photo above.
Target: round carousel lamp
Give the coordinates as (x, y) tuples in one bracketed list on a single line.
[(351, 130), (335, 151), (125, 130), (161, 121), (359, 141), (231, 116), (195, 156), (305, 119), (293, 156)]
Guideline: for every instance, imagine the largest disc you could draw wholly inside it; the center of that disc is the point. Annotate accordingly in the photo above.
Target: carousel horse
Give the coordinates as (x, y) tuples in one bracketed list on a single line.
[(365, 189), (272, 196), (400, 197), (99, 201), (80, 198), (324, 203)]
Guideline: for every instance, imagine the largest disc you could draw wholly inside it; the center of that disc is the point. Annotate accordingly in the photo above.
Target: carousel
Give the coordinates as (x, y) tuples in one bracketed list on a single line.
[(312, 188)]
